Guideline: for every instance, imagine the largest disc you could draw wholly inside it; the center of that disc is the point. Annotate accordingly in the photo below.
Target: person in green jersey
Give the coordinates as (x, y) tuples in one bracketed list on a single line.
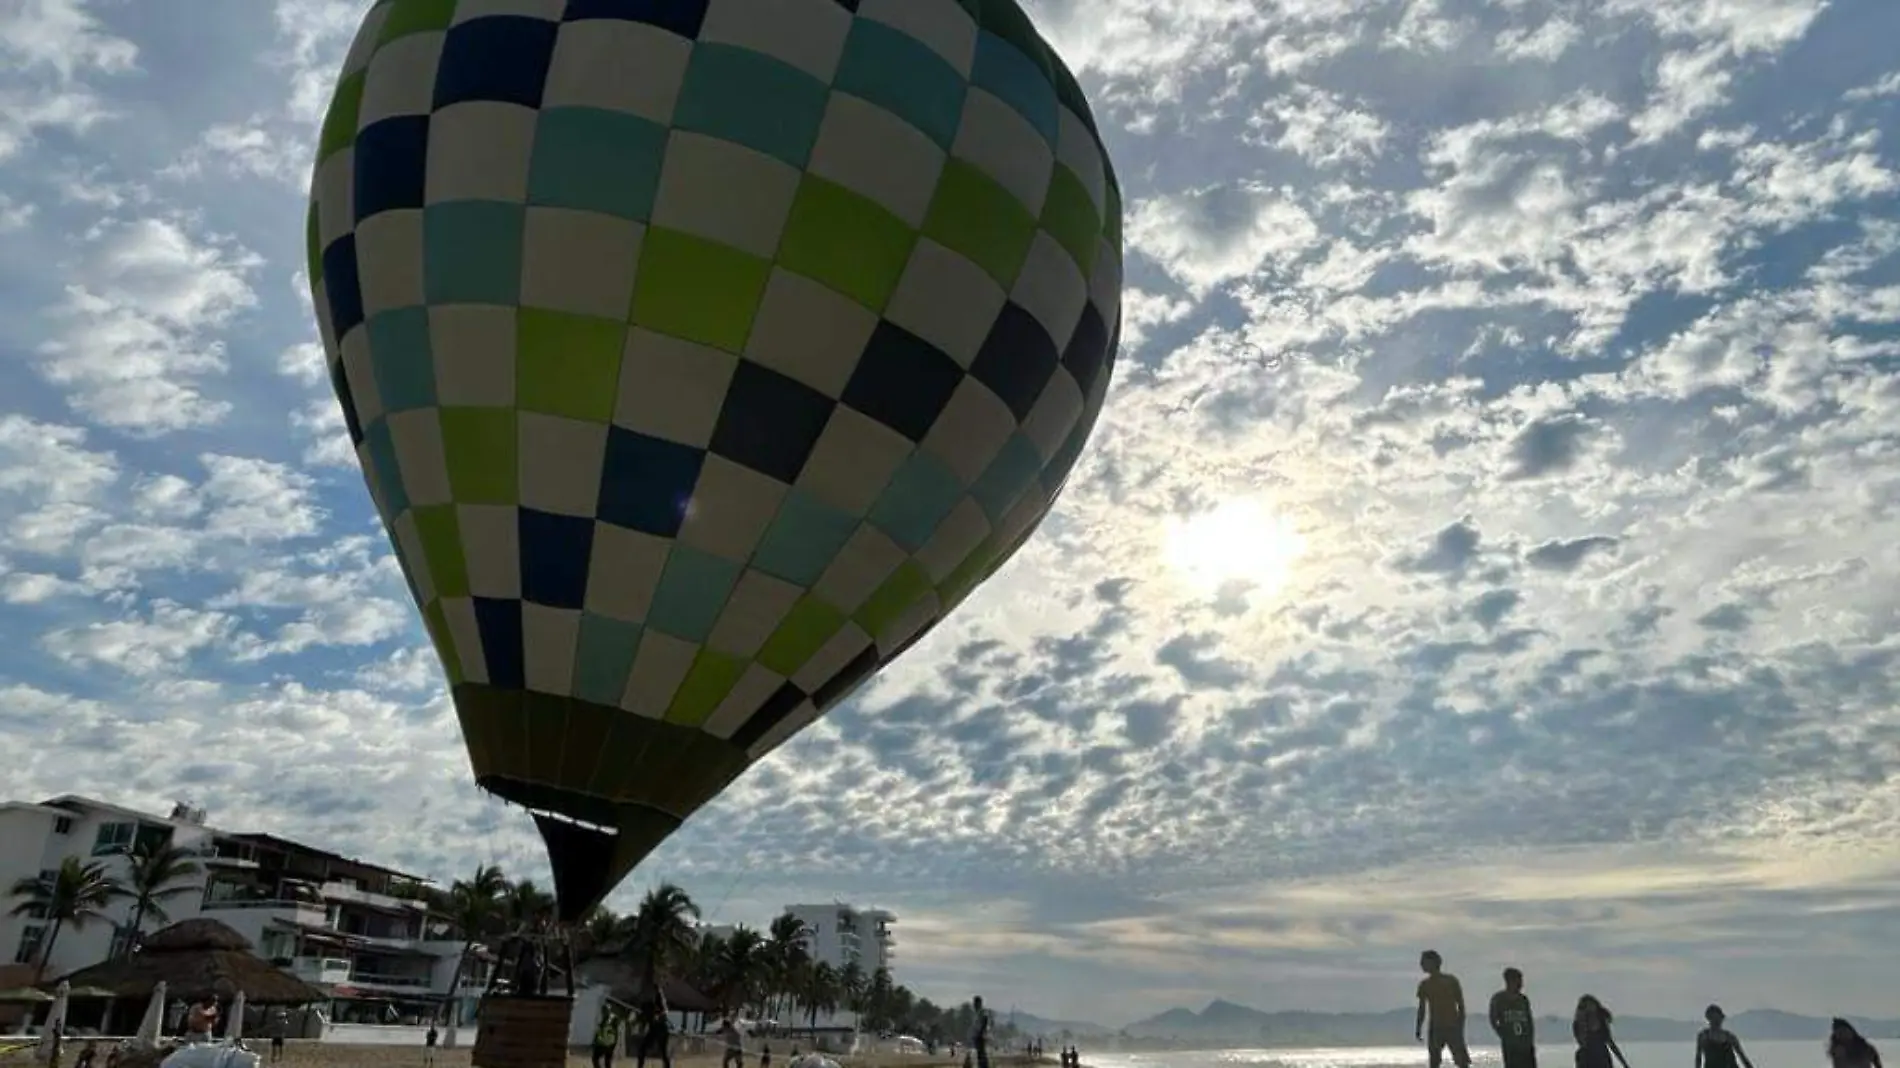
[(1717, 1046), (1515, 1024)]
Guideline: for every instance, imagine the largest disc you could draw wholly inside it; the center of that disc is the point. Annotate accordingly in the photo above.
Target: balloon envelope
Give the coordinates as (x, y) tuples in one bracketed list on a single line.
[(700, 356)]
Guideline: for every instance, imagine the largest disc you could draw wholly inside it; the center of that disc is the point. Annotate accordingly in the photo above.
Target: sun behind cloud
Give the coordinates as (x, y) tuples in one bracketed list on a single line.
[(1239, 541)]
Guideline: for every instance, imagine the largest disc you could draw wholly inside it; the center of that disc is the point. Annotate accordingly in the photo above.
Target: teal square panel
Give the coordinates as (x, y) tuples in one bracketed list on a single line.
[(472, 252), (902, 75), (691, 594), (592, 159), (748, 97), (382, 453), (1003, 483), (603, 658), (1002, 69), (919, 495), (803, 539), (400, 354)]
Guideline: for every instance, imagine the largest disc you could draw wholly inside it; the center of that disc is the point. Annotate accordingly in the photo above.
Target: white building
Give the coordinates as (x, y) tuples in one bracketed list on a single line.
[(357, 930), (839, 934)]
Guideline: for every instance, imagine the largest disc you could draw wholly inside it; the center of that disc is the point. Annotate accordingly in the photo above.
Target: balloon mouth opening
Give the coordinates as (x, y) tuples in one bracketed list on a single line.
[(592, 842)]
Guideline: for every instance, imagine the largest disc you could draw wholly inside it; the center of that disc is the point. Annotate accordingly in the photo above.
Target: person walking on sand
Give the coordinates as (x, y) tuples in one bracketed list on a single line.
[(428, 1045), (1591, 1028), (656, 1037), (1440, 994), (735, 1043), (606, 1037), (1847, 1049), (277, 1026), (1716, 1046), (980, 1032), (1515, 1024)]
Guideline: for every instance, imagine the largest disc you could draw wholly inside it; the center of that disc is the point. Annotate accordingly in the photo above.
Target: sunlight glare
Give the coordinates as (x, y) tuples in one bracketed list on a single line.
[(1238, 541)]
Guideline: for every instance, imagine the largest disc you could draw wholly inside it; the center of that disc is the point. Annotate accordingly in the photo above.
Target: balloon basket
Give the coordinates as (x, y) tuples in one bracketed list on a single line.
[(521, 1032)]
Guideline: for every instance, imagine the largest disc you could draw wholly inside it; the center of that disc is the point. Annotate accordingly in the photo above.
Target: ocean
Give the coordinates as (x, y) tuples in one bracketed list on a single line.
[(1549, 1055)]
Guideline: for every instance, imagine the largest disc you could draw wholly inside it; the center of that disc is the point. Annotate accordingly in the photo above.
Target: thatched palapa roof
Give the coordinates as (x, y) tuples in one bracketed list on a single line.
[(194, 959), (622, 977)]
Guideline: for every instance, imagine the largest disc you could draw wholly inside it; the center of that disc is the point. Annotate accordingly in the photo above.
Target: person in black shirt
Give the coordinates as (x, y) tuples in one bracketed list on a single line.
[(1515, 1024), (656, 1039), (1717, 1047)]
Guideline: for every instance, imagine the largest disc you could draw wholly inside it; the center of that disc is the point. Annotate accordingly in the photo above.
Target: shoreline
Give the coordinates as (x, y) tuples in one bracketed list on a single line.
[(316, 1053)]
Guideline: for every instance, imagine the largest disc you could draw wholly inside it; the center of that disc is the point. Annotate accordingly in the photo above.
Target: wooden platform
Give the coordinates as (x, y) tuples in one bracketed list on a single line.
[(522, 1032)]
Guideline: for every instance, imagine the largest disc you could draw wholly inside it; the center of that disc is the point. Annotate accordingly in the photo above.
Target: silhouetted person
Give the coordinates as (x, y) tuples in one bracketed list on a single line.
[(1514, 1023), (980, 1033), (656, 1038), (1440, 993), (1716, 1046), (1591, 1028), (1846, 1049)]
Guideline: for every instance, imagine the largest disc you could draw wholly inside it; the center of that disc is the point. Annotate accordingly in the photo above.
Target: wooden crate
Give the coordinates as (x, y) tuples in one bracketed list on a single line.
[(522, 1032)]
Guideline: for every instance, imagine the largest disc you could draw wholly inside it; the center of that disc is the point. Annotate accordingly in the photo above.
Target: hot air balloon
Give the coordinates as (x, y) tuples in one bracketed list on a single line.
[(700, 356)]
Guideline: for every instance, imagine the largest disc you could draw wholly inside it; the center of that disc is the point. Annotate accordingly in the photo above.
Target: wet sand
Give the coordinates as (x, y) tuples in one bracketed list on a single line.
[(347, 1055)]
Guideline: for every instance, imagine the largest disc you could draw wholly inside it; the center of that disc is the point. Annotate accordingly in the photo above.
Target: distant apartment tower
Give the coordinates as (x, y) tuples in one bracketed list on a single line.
[(839, 934)]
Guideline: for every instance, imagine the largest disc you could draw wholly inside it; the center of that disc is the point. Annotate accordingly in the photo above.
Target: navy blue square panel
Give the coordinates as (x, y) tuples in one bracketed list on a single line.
[(342, 286), (499, 623), (346, 397), (902, 381), (496, 57), (645, 483), (390, 162), (783, 702), (770, 422), (847, 677), (676, 16), (848, 5), (1088, 348), (555, 550), (1017, 359)]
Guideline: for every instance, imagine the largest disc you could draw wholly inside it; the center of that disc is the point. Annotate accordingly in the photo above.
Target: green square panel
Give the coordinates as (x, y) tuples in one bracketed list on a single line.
[(1069, 215), (803, 539), (603, 658), (697, 290), (339, 122), (958, 583), (592, 159), (973, 215), (692, 592), (472, 252), (906, 586), (804, 630), (441, 537), (707, 682), (848, 242), (747, 97), (401, 359), (415, 16), (916, 499), (480, 446), (1112, 214), (436, 622), (312, 246), (567, 365)]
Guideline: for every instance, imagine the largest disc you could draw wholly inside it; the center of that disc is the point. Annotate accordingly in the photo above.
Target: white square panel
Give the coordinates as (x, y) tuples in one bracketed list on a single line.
[(947, 300), (363, 45), (753, 689), (798, 719), (730, 509), (409, 547), (1105, 284), (1003, 145), (945, 27), (491, 546), (389, 260), (479, 150), (853, 461), (867, 559), (809, 332), (466, 637), (870, 151), (1054, 414), (971, 430), (757, 606), (590, 68), (417, 437), (659, 667), (559, 462), (579, 261), (908, 624), (724, 191), (957, 536), (359, 371), (401, 78), (832, 657), (1051, 288), (335, 183), (807, 34), (1077, 148), (548, 637), (546, 10), (623, 570), (474, 350), (670, 388)]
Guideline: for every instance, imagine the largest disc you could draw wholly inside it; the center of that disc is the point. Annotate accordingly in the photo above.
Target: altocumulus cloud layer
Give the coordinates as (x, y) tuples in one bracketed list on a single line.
[(1491, 541)]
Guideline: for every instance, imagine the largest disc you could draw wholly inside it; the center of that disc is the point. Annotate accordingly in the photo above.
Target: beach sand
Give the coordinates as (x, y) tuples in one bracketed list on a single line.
[(347, 1055)]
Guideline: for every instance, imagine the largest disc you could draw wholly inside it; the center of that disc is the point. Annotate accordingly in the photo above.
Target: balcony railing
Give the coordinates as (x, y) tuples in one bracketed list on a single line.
[(326, 970), (414, 982)]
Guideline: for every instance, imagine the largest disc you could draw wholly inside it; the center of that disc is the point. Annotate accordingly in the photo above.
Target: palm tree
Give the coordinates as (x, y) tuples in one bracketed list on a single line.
[(878, 997), (853, 985), (786, 958), (149, 883), (739, 967), (75, 894), (526, 904), (819, 993), (662, 932), (474, 911)]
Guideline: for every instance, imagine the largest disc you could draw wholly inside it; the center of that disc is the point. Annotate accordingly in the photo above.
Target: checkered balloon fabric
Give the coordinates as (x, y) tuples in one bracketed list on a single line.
[(702, 354)]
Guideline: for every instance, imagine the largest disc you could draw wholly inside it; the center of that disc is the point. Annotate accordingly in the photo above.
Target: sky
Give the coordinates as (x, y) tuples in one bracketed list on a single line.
[(1489, 542)]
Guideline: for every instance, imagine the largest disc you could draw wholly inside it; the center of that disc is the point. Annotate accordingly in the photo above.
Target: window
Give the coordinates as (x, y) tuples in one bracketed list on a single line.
[(151, 838), (30, 940), (63, 825), (113, 838)]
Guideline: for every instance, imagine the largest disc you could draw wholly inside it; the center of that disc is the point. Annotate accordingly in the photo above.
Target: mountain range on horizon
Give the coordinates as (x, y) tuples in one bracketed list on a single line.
[(1227, 1024)]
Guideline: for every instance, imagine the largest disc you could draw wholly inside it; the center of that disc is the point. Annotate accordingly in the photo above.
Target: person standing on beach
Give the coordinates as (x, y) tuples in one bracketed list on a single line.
[(657, 1036), (1591, 1028), (1515, 1024), (980, 1032), (428, 1045), (278, 1025), (735, 1043), (201, 1019), (1716, 1046), (606, 1037), (1440, 993), (1847, 1049)]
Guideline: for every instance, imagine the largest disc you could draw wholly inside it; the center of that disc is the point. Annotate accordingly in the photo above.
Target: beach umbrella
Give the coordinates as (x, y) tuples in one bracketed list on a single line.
[(234, 1026), (153, 1022), (55, 1023), (700, 357)]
